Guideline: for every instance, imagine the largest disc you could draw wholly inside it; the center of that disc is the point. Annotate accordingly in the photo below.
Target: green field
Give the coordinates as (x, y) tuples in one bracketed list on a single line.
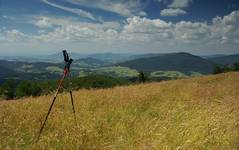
[(54, 69), (117, 71), (173, 75), (169, 74), (114, 71)]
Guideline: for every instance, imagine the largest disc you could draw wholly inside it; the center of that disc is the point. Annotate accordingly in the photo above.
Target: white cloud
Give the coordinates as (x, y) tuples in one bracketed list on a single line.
[(137, 33), (190, 32), (142, 13), (226, 29), (79, 12), (172, 12), (176, 8), (13, 35), (180, 3), (126, 8), (144, 25), (67, 29), (143, 29), (43, 22)]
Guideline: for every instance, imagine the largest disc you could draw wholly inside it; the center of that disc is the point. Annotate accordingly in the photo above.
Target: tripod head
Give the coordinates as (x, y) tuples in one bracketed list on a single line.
[(66, 56), (68, 62)]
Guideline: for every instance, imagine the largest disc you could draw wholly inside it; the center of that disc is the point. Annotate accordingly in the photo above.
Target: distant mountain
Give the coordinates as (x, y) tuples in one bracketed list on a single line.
[(5, 72), (26, 66), (111, 57), (212, 56), (26, 71), (39, 67), (53, 58), (147, 55), (182, 62), (226, 60), (19, 58), (90, 62), (106, 57), (58, 57)]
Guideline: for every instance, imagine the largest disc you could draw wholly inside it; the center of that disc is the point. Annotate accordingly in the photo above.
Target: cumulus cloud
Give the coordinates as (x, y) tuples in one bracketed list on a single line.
[(172, 12), (43, 22), (190, 32), (176, 8), (221, 29), (68, 29), (180, 3), (142, 13), (13, 35), (79, 12), (144, 26), (138, 33), (225, 29), (144, 29)]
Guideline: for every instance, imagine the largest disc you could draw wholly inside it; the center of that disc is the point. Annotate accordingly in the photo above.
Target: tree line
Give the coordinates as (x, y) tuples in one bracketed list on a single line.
[(12, 89), (225, 68)]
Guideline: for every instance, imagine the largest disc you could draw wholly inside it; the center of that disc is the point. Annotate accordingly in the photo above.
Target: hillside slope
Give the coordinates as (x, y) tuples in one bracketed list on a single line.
[(198, 113), (182, 62), (5, 72), (226, 60)]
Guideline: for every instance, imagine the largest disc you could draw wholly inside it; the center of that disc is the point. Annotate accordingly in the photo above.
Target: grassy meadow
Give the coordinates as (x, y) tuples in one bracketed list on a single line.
[(196, 113)]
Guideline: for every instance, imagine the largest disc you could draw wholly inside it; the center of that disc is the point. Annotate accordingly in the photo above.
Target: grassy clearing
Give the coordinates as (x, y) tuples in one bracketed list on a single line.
[(117, 71), (173, 74), (114, 71), (169, 74), (198, 113), (54, 69)]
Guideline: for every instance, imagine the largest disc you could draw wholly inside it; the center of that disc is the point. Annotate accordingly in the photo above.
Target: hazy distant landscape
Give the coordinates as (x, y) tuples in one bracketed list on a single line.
[(115, 65), (108, 69)]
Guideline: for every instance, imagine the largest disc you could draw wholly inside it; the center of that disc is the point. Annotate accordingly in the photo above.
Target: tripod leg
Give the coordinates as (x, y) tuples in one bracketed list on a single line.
[(73, 106), (49, 111)]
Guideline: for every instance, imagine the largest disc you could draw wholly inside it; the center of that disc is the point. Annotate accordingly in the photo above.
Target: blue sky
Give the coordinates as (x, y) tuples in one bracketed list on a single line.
[(119, 26)]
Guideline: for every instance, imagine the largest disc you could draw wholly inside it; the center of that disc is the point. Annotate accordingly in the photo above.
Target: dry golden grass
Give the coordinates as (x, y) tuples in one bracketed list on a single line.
[(198, 113)]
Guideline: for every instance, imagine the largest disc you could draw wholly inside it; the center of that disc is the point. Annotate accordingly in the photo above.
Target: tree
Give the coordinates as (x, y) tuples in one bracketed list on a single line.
[(36, 90), (217, 69), (226, 68), (236, 66), (1, 93), (8, 90), (27, 88), (142, 77)]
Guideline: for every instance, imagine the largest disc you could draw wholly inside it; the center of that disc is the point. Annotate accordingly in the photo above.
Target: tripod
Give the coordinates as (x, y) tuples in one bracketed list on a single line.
[(66, 73)]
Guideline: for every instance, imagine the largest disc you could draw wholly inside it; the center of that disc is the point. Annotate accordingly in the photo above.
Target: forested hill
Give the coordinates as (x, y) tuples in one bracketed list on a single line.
[(182, 62), (226, 60)]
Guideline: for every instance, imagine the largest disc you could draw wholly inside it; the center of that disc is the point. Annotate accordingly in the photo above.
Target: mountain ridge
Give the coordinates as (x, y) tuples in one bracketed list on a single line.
[(183, 62), (226, 60)]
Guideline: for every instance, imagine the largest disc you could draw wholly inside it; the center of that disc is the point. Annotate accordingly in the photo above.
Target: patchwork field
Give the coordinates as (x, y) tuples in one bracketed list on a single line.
[(196, 113)]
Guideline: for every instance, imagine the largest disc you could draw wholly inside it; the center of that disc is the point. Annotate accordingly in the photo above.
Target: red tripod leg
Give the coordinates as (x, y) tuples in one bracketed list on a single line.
[(49, 111)]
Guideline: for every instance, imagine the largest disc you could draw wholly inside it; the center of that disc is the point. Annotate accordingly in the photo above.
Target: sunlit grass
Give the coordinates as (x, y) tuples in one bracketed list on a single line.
[(198, 113)]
